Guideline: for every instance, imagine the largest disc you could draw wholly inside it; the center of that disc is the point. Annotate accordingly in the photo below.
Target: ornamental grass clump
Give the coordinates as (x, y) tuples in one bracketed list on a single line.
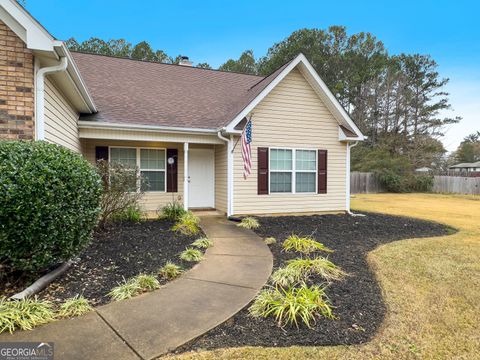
[(318, 266), (249, 223), (291, 305), (24, 314), (270, 240), (172, 211), (170, 271), (147, 282), (75, 306), (287, 276), (191, 255), (203, 243), (134, 286), (187, 224), (305, 245)]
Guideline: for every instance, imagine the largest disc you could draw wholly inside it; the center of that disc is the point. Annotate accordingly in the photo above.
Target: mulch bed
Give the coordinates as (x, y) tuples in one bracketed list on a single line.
[(358, 301), (124, 250)]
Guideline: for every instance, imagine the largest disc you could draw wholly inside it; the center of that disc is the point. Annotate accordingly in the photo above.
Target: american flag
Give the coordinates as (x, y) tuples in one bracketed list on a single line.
[(247, 149)]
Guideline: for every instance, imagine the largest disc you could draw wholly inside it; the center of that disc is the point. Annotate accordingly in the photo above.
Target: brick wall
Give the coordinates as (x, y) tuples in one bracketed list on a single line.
[(16, 87)]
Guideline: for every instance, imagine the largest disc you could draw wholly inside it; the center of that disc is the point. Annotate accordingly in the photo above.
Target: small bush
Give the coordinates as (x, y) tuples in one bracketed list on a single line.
[(286, 277), (133, 214), (249, 223), (24, 314), (191, 255), (120, 191), (172, 211), (203, 243), (305, 245), (319, 266), (270, 240), (126, 290), (408, 182), (188, 224), (290, 305), (75, 306), (170, 271), (49, 204), (147, 282)]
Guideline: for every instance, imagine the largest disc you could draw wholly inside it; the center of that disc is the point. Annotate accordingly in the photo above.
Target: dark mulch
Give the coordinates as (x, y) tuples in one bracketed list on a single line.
[(120, 252), (358, 300)]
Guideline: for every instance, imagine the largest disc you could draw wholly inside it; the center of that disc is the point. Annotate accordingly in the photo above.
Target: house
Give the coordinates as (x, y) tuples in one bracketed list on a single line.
[(180, 125), (466, 167)]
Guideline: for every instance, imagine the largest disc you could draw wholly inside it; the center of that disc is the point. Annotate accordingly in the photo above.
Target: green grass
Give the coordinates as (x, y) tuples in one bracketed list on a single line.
[(319, 266), (286, 277), (134, 286), (203, 243), (75, 306), (249, 223), (187, 224), (170, 271), (191, 255), (24, 314), (304, 245), (289, 306), (270, 240)]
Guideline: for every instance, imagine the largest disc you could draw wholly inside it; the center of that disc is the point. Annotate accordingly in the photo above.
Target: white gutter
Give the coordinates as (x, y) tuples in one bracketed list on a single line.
[(40, 95), (86, 124), (347, 178), (229, 172)]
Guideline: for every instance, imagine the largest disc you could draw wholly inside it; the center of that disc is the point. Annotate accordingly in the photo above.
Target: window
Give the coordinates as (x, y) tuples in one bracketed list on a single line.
[(128, 158), (151, 165), (293, 171)]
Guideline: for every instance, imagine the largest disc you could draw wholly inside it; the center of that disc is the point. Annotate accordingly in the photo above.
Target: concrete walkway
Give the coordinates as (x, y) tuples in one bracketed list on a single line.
[(150, 325)]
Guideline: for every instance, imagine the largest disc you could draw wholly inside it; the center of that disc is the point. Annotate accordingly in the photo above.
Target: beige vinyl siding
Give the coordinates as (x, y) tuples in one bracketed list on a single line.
[(60, 119), (151, 201), (221, 178), (292, 116)]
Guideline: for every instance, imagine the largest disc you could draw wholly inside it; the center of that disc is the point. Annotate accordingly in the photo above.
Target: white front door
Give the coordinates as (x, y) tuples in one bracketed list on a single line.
[(201, 172)]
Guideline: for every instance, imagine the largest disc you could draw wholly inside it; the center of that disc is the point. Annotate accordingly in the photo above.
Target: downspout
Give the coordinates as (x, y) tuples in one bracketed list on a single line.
[(229, 173), (40, 95), (347, 178)]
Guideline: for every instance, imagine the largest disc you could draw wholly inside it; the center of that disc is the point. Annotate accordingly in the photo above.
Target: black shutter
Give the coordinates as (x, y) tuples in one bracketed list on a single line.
[(172, 171), (262, 160), (322, 171), (101, 153)]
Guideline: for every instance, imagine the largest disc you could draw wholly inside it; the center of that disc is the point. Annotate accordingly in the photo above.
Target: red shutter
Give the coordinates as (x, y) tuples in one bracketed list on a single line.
[(101, 153), (322, 171), (172, 171), (262, 171)]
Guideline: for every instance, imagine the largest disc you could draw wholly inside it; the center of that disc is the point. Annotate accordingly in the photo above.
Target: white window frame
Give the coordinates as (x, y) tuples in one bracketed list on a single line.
[(138, 169), (293, 171)]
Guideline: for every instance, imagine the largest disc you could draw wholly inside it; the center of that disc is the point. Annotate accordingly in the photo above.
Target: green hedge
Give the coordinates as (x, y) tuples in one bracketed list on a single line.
[(49, 204), (397, 183)]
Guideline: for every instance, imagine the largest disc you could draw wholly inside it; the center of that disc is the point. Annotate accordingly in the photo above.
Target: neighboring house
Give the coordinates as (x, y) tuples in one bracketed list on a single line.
[(466, 167), (423, 170), (142, 114)]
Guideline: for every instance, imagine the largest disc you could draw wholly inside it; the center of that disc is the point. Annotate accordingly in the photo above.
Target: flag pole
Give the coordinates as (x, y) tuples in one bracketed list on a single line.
[(234, 146)]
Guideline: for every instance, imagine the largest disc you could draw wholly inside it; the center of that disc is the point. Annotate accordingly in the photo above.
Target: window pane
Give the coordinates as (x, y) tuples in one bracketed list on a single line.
[(153, 180), (280, 159), (280, 182), (152, 159), (305, 182), (124, 156), (305, 160)]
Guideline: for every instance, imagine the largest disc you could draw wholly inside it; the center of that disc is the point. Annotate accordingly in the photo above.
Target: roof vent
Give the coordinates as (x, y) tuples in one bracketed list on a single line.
[(184, 61)]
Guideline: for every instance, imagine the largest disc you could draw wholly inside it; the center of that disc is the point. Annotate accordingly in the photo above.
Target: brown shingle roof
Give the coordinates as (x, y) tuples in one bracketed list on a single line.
[(138, 92)]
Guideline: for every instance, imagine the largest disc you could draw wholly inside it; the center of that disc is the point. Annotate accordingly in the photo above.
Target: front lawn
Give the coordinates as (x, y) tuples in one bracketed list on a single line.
[(430, 287)]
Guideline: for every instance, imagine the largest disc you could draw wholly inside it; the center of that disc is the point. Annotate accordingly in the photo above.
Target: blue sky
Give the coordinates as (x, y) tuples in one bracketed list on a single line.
[(213, 31)]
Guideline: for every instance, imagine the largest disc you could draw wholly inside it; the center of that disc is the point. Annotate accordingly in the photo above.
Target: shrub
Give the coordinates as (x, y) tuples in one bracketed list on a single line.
[(133, 214), (170, 271), (119, 191), (49, 204), (319, 266), (24, 314), (290, 305), (188, 224), (304, 245), (172, 211), (287, 276), (191, 254), (249, 223), (270, 240), (408, 182), (147, 282), (126, 290), (203, 243), (75, 306)]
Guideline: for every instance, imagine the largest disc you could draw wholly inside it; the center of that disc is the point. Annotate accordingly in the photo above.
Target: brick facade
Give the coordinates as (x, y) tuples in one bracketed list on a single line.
[(16, 87)]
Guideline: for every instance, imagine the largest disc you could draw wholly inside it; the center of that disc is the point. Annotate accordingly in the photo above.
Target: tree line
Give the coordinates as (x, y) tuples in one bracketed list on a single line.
[(396, 100)]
